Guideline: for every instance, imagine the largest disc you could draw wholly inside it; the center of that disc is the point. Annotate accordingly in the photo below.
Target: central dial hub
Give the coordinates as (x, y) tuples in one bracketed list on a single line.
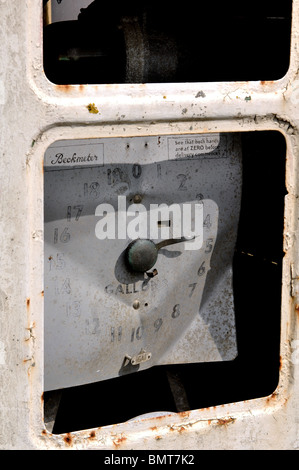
[(141, 255)]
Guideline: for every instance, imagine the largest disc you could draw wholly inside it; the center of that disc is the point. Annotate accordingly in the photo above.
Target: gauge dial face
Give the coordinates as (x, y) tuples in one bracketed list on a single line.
[(178, 194)]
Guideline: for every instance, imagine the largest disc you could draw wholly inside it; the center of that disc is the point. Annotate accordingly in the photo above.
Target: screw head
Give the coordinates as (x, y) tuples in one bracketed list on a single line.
[(137, 199)]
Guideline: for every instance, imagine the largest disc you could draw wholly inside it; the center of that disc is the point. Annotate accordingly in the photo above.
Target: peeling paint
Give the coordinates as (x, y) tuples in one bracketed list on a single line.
[(285, 124), (119, 441), (225, 421)]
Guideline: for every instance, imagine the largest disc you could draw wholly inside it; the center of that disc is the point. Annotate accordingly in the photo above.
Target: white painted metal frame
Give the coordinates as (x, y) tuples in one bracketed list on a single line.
[(35, 113)]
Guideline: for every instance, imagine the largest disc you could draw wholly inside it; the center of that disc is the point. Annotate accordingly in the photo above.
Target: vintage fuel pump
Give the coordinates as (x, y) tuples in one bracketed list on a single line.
[(130, 283), (156, 165)]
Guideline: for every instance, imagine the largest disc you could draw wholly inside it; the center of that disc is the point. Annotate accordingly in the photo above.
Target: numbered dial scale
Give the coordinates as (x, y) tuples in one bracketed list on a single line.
[(139, 237)]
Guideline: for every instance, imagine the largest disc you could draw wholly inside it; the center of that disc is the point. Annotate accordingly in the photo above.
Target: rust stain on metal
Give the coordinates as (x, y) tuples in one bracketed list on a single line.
[(225, 421), (67, 88), (159, 417), (271, 398), (27, 360), (64, 88), (92, 435), (209, 408), (28, 303), (280, 362), (179, 429), (266, 82), (156, 418), (42, 293), (119, 441), (184, 414), (68, 439)]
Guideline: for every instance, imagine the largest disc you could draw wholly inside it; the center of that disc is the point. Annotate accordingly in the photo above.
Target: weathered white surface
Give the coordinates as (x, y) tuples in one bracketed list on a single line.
[(35, 113)]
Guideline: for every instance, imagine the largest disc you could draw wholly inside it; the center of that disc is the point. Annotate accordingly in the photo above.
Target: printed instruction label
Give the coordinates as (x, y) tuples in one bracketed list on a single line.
[(190, 146), (74, 153)]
